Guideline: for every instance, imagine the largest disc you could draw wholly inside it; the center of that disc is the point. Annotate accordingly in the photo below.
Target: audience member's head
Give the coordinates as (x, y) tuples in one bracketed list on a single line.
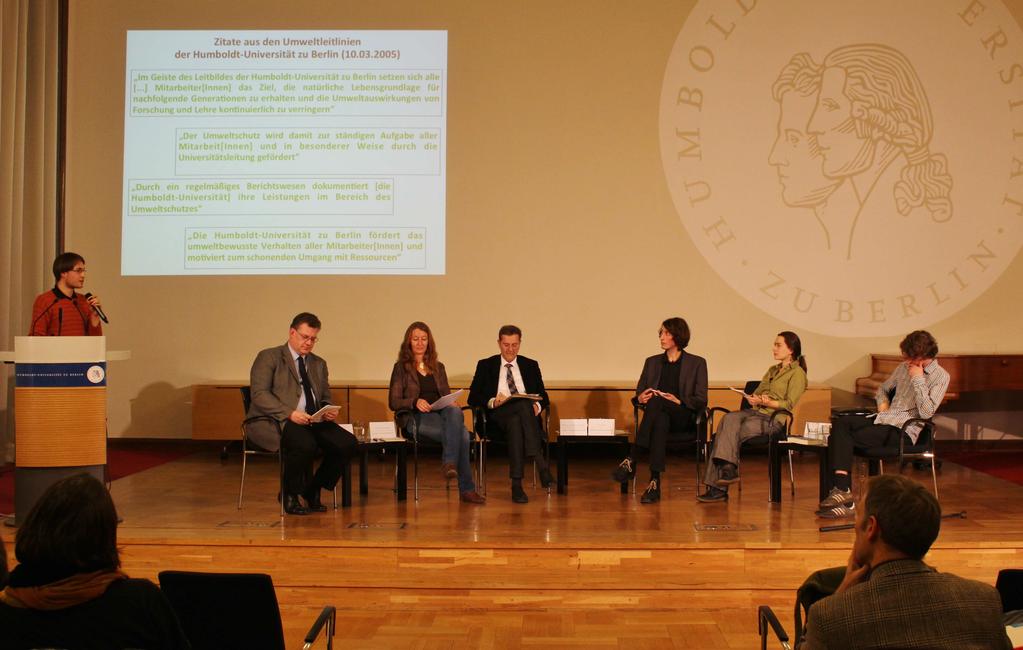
[(897, 518), (72, 529)]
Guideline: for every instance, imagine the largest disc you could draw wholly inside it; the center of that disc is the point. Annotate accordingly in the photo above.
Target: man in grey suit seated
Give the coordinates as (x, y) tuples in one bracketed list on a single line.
[(889, 597), (289, 383)]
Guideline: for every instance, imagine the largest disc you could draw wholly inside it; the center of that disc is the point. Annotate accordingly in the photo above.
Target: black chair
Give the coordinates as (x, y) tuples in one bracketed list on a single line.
[(251, 449), (229, 611), (695, 436), (1010, 587), (489, 433), (411, 432), (920, 451), (782, 417), (818, 585)]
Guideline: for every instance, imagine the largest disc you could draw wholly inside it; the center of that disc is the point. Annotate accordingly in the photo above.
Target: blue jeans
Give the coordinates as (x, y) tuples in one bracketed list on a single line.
[(448, 428)]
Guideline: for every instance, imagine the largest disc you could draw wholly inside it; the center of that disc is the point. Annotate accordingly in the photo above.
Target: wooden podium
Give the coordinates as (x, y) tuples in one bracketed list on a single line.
[(60, 412)]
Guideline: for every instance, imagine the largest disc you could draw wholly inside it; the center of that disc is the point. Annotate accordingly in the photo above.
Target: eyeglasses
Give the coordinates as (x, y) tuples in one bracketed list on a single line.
[(306, 338), (78, 269)]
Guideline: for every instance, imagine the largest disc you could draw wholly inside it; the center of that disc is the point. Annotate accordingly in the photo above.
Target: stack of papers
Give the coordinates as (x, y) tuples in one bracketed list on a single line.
[(590, 427), (572, 427)]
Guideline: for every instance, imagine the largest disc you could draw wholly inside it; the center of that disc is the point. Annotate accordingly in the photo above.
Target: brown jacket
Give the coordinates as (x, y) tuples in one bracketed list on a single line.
[(404, 390)]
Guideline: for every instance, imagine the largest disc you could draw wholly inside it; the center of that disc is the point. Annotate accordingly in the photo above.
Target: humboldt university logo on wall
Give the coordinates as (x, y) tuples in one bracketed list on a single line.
[(853, 168)]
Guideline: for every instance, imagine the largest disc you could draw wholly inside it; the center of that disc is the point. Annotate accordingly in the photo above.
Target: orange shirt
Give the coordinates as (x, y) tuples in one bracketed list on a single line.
[(55, 314)]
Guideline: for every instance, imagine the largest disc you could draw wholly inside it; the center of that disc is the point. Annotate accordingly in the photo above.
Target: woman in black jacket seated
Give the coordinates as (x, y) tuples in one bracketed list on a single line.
[(68, 591), (673, 389)]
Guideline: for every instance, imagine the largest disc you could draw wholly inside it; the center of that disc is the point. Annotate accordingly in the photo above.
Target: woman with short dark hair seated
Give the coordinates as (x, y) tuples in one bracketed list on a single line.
[(672, 389), (68, 591)]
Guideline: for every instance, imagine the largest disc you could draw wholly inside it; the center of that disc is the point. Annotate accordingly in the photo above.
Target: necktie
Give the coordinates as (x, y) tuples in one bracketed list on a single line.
[(310, 402), (510, 378)]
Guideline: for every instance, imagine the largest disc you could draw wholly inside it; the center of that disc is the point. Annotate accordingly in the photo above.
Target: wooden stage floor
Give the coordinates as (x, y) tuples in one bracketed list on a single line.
[(591, 569)]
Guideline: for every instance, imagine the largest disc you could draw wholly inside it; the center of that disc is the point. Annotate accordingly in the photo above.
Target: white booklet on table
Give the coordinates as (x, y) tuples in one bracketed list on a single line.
[(383, 431)]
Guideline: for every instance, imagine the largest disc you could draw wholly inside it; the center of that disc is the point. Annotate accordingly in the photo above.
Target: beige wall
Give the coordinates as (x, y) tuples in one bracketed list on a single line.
[(553, 156)]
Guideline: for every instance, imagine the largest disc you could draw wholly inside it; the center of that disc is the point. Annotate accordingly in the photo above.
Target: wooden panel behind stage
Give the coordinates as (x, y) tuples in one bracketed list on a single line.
[(591, 569)]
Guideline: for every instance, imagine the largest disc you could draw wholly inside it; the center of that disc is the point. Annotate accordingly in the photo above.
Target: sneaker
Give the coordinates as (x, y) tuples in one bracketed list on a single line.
[(624, 472), (652, 494), (448, 470), (472, 496), (838, 512), (729, 474), (836, 498), (713, 495)]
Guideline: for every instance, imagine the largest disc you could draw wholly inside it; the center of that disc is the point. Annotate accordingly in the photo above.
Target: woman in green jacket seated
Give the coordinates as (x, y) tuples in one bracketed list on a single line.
[(782, 386)]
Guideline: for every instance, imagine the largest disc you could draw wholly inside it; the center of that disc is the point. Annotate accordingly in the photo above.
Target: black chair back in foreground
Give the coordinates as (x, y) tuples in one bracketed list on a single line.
[(818, 585), (228, 611)]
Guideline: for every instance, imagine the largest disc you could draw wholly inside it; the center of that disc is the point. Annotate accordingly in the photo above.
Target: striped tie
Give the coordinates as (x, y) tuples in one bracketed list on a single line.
[(511, 380)]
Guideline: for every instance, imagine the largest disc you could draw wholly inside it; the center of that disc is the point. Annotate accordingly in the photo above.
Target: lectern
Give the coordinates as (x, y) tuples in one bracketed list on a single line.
[(60, 412)]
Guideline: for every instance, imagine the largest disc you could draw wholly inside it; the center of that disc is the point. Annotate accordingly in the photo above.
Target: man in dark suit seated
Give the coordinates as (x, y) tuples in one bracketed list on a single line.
[(498, 386), (889, 597), (289, 383)]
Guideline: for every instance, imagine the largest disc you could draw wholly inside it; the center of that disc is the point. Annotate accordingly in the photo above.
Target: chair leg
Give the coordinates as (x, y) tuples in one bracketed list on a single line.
[(481, 485), (335, 496), (792, 475), (280, 477), (415, 468), (934, 475), (241, 487)]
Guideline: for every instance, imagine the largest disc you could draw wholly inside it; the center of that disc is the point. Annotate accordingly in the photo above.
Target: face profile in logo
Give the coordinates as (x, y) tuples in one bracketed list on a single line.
[(795, 154), (871, 128), (813, 169)]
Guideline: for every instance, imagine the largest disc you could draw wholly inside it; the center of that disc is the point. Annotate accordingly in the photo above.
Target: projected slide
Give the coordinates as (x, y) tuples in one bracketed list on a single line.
[(284, 152)]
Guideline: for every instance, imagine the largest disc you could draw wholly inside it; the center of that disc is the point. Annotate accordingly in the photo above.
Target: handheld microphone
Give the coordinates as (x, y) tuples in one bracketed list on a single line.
[(98, 310), (60, 320), (41, 314)]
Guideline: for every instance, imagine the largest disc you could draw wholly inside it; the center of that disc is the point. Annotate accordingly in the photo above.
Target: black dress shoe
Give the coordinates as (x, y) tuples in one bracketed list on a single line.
[(546, 479), (653, 493), (312, 499), (293, 506), (519, 495)]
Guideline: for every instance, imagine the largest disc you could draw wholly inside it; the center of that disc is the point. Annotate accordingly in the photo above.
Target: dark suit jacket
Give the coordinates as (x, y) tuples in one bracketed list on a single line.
[(692, 378), (404, 389), (484, 381), (907, 604), (276, 389)]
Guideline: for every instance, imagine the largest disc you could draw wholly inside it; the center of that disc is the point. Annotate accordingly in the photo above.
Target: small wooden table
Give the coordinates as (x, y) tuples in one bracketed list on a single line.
[(778, 447), (400, 449), (563, 443)]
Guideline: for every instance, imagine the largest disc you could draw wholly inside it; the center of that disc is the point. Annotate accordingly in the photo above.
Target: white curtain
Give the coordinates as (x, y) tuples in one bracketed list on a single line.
[(29, 68)]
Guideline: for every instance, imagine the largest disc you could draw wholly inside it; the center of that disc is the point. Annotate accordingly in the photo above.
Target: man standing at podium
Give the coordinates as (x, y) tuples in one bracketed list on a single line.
[(289, 383), (62, 311)]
